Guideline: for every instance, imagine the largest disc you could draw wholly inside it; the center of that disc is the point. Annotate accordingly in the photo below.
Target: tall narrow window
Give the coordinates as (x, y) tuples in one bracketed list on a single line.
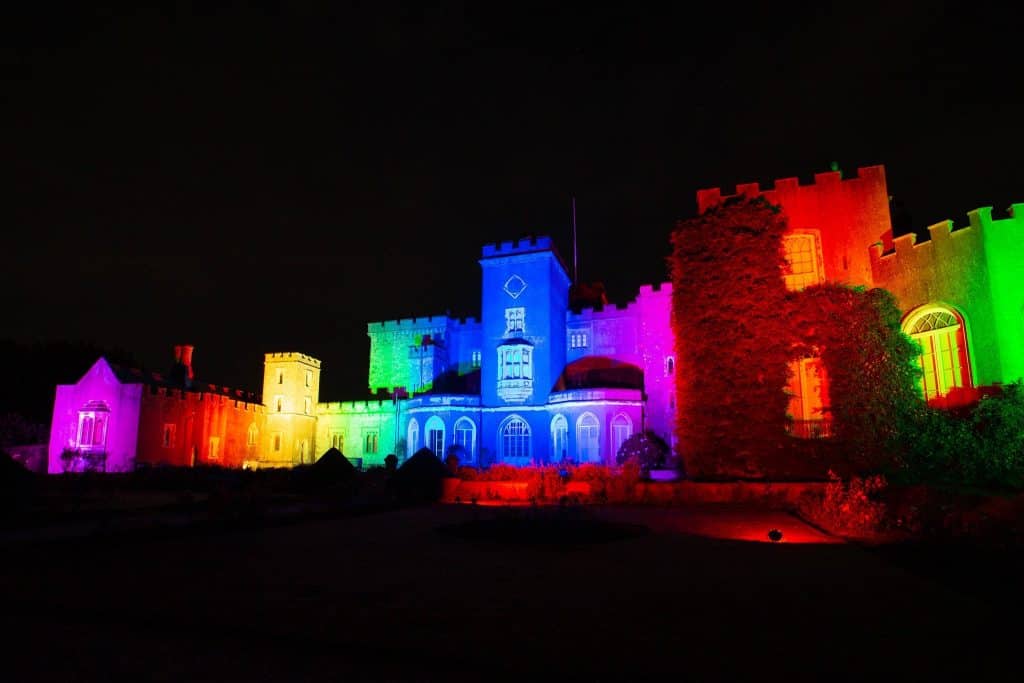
[(434, 433), (85, 430), (515, 321), (809, 399), (253, 434), (279, 404), (944, 361), (338, 441), (515, 438), (309, 378), (803, 260), (465, 436), (168, 439), (307, 405), (413, 436), (622, 427), (559, 438), (214, 448), (670, 366), (370, 442), (280, 376), (588, 434), (277, 442)]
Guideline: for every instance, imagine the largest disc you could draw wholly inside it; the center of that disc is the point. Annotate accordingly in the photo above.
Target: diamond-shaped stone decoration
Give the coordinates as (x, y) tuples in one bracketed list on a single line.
[(514, 286)]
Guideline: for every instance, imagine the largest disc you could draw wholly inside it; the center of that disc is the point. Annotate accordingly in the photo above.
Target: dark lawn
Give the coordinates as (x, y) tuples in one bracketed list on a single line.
[(388, 597)]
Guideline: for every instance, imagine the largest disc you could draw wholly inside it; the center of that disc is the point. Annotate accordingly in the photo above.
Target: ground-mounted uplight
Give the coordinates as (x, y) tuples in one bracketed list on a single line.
[(774, 535)]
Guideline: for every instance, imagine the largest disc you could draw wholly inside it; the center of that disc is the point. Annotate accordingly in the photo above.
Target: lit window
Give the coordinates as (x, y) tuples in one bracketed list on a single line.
[(515, 321), (578, 340), (91, 431), (559, 438), (338, 441), (413, 436), (622, 428), (515, 438), (476, 359), (433, 430), (515, 371), (515, 362), (803, 261), (808, 399), (944, 361), (588, 438), (370, 443), (465, 436), (214, 448), (168, 441)]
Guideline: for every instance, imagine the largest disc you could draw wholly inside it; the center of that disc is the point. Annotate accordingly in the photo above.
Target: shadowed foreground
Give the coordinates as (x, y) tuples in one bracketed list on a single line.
[(388, 596)]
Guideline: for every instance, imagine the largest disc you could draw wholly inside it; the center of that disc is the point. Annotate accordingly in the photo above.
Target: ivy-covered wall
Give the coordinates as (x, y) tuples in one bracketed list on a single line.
[(737, 329)]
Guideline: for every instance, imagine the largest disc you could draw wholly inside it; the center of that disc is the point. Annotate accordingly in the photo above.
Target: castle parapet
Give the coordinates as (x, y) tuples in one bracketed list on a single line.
[(406, 324), (524, 246), (291, 356), (826, 181)]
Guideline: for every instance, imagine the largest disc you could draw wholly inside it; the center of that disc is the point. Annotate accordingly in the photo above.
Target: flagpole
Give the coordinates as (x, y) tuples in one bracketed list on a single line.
[(575, 253)]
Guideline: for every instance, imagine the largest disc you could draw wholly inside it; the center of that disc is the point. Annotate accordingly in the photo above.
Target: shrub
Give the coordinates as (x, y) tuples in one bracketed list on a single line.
[(848, 508), (983, 447), (648, 450), (501, 472)]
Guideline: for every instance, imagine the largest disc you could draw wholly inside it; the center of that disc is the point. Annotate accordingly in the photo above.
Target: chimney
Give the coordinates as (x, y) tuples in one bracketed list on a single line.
[(186, 359)]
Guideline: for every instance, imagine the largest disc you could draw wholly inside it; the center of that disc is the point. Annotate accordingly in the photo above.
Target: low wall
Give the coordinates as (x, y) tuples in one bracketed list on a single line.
[(662, 493)]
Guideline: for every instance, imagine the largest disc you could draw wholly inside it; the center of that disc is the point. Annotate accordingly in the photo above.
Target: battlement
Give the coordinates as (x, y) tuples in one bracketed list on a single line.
[(658, 287), (616, 310), (408, 324), (465, 322), (980, 223), (371, 406), (823, 182), (212, 393), (524, 246), (290, 356)]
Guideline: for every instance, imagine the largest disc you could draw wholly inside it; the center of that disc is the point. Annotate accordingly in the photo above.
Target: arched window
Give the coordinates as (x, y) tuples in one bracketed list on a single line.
[(944, 361), (622, 427), (670, 366), (559, 438), (253, 434), (92, 426), (515, 438), (588, 438), (808, 399), (413, 436), (433, 432), (803, 260), (465, 436)]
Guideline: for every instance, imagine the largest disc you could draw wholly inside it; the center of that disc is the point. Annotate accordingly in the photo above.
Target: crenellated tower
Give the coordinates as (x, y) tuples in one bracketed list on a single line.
[(525, 296), (291, 390)]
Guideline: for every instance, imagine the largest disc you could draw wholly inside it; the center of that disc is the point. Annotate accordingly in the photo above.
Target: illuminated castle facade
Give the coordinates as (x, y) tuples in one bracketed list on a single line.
[(534, 380)]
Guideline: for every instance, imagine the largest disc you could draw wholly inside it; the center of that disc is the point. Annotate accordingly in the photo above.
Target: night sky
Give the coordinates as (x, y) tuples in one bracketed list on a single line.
[(253, 180)]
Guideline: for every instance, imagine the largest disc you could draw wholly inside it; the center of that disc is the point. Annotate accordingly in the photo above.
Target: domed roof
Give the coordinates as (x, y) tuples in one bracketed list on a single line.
[(599, 372)]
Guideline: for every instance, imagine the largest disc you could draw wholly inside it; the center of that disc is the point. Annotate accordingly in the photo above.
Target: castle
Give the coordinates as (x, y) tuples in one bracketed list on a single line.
[(536, 380)]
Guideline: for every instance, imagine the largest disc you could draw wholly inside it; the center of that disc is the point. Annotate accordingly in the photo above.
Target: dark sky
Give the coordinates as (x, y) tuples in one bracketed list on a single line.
[(250, 180)]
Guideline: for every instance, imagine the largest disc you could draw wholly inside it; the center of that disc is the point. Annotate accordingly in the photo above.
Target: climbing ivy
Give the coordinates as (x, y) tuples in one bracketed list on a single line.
[(737, 328)]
